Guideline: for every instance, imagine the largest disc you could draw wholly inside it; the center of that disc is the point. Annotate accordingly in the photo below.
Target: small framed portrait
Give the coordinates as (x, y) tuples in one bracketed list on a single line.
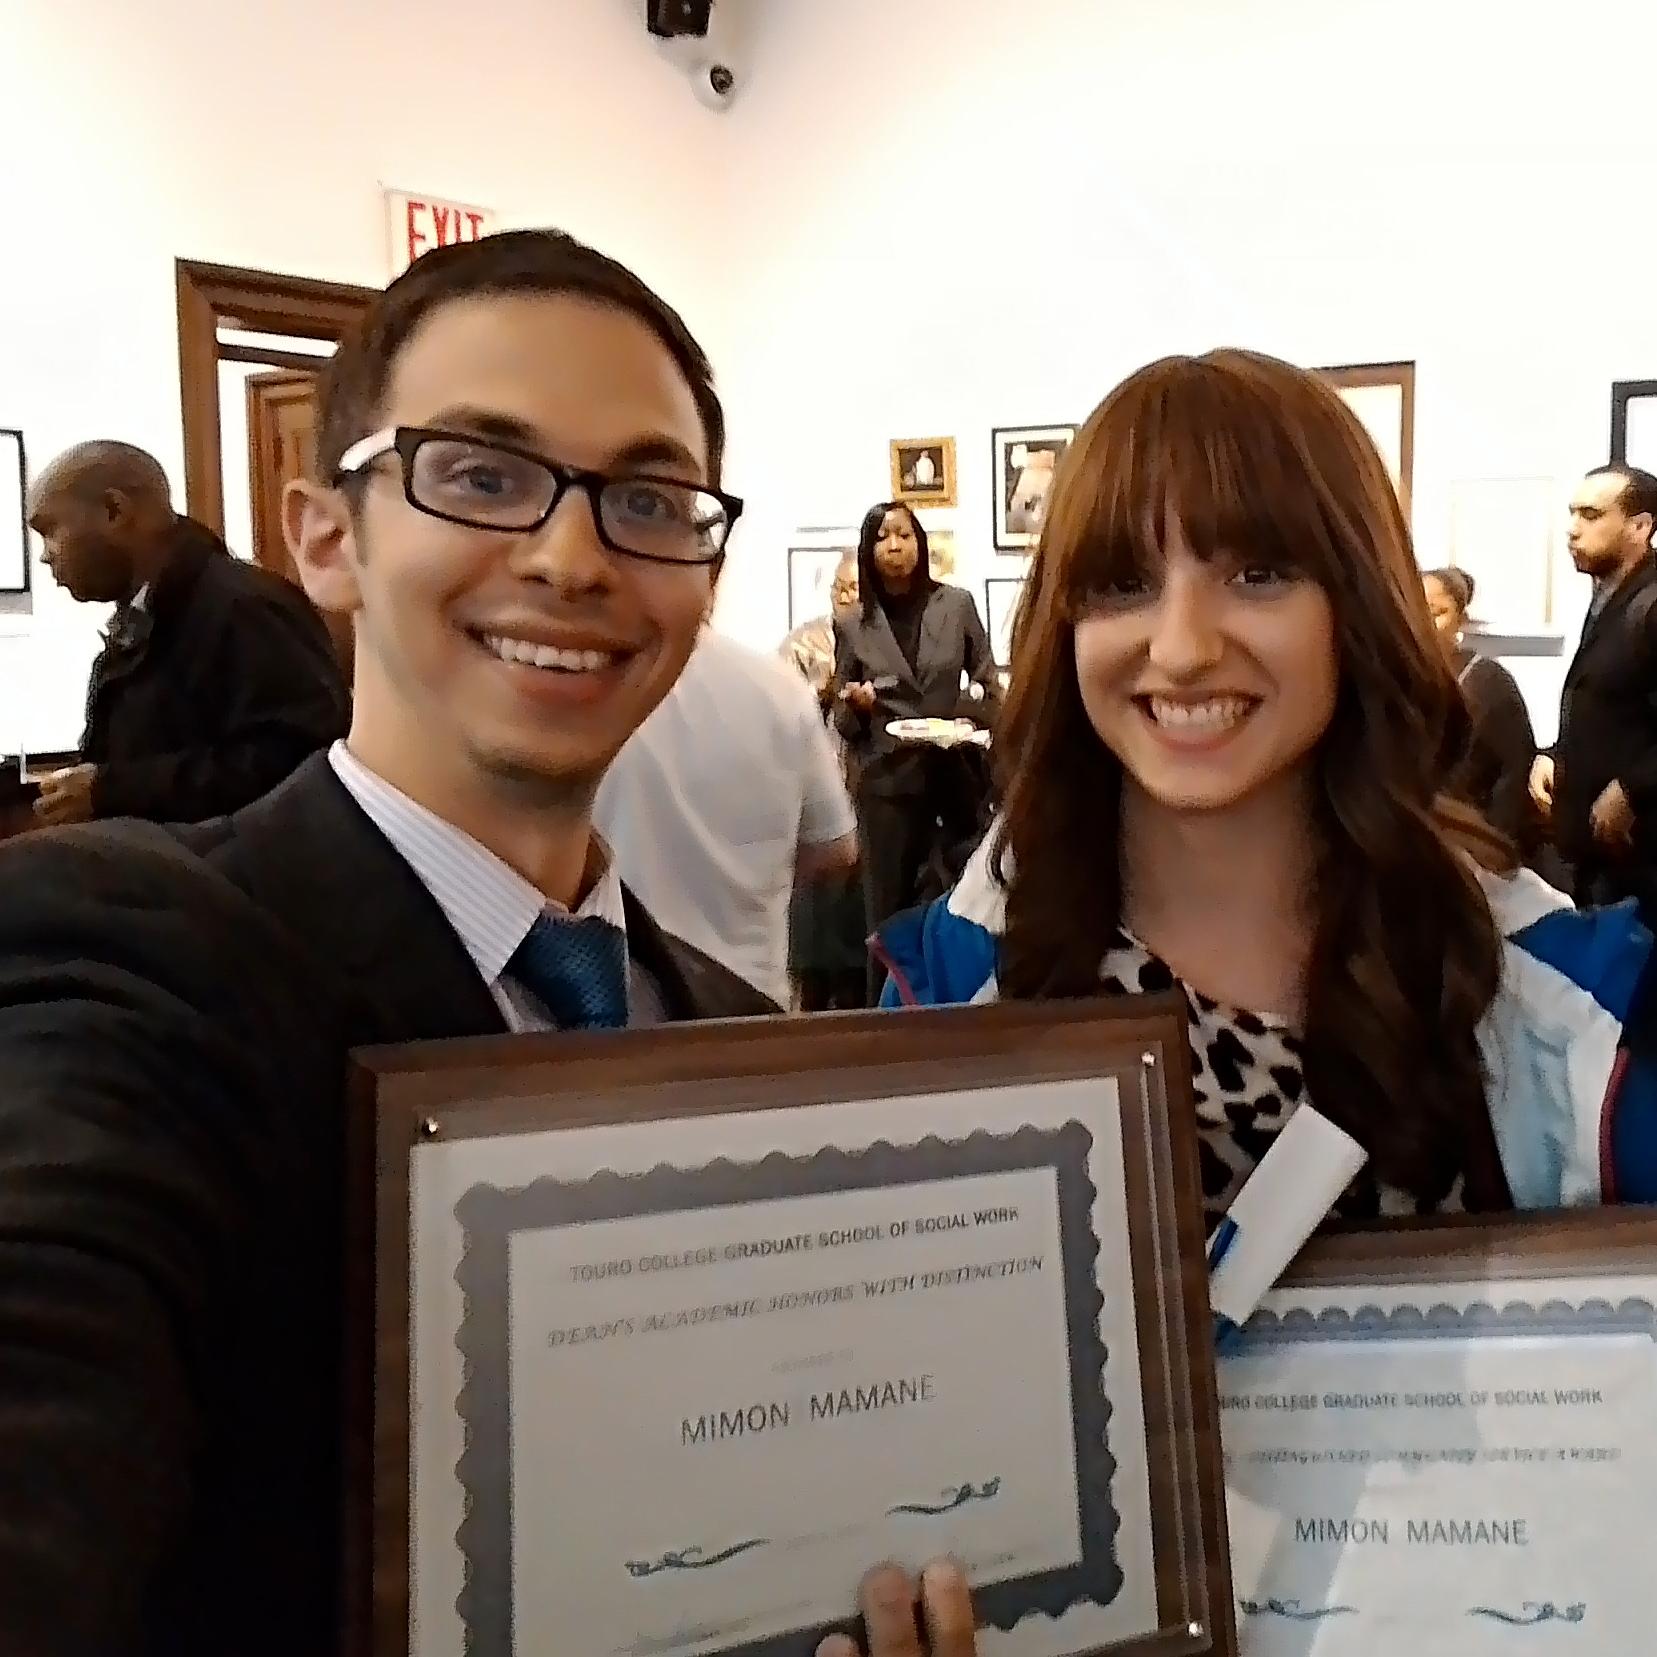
[(923, 470), (811, 572), (1002, 596), (1024, 459), (14, 528)]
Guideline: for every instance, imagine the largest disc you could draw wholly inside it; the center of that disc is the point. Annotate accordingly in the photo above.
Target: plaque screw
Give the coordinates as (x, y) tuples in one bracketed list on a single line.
[(430, 1127), (1196, 1630), (1148, 1060)]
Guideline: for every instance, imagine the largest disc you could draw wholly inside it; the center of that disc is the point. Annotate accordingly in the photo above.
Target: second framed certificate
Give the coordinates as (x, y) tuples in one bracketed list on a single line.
[(680, 1332), (1441, 1439)]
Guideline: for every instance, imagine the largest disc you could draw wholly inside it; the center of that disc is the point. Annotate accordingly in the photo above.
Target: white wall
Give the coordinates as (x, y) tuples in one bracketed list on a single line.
[(235, 478), (934, 217), (967, 213), (261, 135)]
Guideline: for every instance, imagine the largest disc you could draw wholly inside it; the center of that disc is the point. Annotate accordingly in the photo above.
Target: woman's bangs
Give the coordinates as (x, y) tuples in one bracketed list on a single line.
[(1108, 520), (1184, 444), (1236, 494)]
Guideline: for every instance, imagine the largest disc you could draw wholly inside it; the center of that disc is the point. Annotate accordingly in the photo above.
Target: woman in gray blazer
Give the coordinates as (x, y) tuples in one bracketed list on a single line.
[(903, 654)]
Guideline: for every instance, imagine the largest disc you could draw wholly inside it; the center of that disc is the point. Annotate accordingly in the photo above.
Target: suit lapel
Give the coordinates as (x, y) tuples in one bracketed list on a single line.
[(115, 662), (934, 625), (652, 950), (132, 631), (309, 854), (692, 986), (880, 649), (1614, 606)]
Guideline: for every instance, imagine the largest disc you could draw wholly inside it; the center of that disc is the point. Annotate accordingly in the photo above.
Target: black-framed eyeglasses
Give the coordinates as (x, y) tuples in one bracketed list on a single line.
[(466, 480)]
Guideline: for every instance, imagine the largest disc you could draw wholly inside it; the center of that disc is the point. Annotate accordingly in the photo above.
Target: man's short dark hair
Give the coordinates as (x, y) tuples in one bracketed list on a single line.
[(517, 262), (1639, 491)]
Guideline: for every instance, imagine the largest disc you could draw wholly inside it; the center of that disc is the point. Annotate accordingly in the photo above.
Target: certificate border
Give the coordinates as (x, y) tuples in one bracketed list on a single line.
[(404, 1095), (1437, 1320), (491, 1214)]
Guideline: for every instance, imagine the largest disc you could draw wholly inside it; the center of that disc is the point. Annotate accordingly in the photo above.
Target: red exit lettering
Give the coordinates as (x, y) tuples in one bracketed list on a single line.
[(430, 224), (416, 237)]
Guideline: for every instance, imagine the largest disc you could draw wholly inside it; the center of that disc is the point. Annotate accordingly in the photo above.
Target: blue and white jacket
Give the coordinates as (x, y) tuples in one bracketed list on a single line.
[(1569, 1043)]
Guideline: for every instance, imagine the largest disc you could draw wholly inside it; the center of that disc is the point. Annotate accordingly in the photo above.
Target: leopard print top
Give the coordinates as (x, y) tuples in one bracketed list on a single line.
[(1248, 1081)]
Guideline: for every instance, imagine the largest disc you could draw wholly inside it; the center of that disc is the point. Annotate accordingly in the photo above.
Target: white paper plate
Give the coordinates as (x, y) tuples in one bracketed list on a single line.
[(941, 733)]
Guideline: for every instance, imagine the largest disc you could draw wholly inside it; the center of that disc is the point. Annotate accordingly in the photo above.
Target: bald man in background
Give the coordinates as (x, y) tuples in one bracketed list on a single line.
[(217, 677)]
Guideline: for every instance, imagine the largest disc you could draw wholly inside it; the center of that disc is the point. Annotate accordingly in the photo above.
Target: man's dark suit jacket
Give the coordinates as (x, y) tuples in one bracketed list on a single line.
[(1608, 722), (176, 1010), (213, 693), (952, 641)]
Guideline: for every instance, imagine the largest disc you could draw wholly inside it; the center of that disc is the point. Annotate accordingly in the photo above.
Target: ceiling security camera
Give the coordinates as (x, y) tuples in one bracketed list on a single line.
[(714, 84)]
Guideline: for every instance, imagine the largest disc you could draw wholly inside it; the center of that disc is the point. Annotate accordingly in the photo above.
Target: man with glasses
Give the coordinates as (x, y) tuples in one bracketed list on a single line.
[(521, 512)]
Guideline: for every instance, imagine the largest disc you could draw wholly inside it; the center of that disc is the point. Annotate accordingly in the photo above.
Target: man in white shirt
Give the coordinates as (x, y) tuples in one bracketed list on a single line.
[(726, 796)]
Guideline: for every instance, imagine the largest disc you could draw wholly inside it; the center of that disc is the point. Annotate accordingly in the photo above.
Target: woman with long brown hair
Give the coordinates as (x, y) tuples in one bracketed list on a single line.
[(1219, 764)]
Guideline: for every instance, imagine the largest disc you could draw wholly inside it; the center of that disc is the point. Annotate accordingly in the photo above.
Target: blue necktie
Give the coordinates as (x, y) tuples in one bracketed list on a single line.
[(577, 970)]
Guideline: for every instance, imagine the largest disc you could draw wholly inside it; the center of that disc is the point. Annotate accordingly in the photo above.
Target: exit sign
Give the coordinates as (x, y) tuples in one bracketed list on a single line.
[(417, 224)]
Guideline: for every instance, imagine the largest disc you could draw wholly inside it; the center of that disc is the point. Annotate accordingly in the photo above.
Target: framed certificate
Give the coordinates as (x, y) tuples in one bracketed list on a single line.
[(1442, 1438), (674, 1334), (14, 526)]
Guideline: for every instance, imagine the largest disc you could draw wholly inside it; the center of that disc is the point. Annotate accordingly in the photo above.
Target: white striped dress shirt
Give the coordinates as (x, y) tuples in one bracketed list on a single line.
[(488, 903)]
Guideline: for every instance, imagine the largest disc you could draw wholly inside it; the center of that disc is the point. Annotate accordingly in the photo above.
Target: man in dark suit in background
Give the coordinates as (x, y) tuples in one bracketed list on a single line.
[(521, 512), (1599, 784), (217, 677)]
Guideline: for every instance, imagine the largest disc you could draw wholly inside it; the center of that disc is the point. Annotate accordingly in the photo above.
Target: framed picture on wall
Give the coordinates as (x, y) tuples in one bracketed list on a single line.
[(1001, 600), (923, 470), (811, 576), (1382, 395), (940, 542), (14, 528), (1022, 462), (1634, 423)]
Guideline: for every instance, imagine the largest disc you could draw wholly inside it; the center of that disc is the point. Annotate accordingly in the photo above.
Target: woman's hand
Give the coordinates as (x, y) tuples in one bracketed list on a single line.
[(861, 697), (888, 1600)]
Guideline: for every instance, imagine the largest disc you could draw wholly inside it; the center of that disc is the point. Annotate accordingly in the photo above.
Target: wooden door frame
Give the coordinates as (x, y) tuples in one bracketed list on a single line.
[(258, 483), (260, 301)]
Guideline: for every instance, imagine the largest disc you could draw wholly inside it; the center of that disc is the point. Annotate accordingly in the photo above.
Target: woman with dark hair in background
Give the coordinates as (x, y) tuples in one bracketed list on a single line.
[(1494, 774), (902, 654), (1221, 760)]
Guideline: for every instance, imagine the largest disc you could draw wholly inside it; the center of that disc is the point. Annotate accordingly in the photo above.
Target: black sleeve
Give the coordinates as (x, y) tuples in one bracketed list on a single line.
[(980, 663), (1503, 731), (125, 1163), (273, 695), (852, 723), (1639, 779)]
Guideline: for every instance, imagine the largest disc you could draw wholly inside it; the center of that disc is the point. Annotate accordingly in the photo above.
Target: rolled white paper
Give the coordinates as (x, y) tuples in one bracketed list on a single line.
[(1281, 1204)]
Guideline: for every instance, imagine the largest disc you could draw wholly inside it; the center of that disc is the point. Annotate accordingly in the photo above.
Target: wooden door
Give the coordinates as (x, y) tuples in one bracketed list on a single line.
[(281, 446)]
